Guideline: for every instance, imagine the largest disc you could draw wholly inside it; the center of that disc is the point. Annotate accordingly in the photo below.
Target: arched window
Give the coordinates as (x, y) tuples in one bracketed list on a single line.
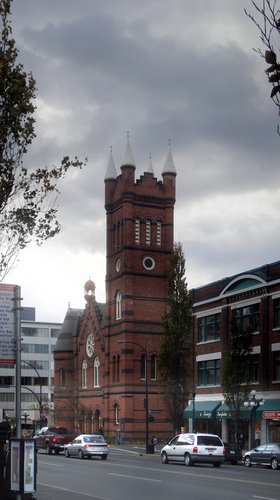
[(153, 367), (118, 305), (96, 366), (118, 371), (114, 369), (137, 231), (62, 378), (116, 413), (143, 365), (158, 238), (84, 374), (148, 232)]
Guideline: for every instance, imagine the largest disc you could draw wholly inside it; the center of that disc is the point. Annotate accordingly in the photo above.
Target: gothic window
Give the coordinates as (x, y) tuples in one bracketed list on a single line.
[(118, 305), (84, 374), (62, 378), (158, 235), (148, 232), (143, 364), (96, 366), (276, 313), (137, 231), (117, 413), (153, 367), (114, 369)]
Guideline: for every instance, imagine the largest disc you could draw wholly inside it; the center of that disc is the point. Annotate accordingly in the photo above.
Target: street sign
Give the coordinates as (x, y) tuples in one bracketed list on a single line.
[(7, 324)]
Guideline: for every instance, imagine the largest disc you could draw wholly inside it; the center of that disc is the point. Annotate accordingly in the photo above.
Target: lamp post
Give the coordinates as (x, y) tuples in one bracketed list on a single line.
[(254, 403), (144, 349), (193, 412), (40, 382)]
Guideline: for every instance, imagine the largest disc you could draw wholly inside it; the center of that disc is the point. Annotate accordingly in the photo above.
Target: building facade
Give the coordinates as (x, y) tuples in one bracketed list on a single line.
[(106, 356), (38, 340), (253, 298)]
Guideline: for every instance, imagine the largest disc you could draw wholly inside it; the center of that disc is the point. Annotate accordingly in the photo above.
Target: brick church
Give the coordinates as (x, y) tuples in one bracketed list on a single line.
[(106, 355)]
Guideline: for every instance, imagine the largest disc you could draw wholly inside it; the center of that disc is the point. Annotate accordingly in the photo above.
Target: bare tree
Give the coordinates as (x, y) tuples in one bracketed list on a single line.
[(268, 24)]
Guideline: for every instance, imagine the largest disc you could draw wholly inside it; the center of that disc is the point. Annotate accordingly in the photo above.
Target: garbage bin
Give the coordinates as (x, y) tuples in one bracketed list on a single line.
[(151, 448)]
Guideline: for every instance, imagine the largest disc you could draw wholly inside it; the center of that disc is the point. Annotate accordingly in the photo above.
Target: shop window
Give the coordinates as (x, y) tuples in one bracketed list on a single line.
[(209, 328), (209, 372), (248, 318), (276, 313), (276, 362)]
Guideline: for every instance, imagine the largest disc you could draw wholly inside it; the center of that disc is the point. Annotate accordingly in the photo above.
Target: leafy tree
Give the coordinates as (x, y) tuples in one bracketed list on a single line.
[(269, 28), (176, 352), (28, 206), (236, 376)]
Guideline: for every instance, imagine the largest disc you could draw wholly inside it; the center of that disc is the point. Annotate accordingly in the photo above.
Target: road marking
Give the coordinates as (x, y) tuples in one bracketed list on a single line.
[(72, 491), (264, 498), (52, 465), (185, 473), (135, 477)]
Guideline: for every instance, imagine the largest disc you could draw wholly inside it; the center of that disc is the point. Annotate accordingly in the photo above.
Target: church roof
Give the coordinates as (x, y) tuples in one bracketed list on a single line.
[(70, 328), (111, 172), (169, 167)]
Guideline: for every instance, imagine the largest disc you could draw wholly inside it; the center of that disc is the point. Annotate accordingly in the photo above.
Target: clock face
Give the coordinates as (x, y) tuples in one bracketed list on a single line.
[(90, 345)]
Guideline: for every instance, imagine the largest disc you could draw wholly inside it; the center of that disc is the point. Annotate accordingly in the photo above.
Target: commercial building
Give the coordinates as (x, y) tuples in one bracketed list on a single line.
[(37, 372), (253, 298)]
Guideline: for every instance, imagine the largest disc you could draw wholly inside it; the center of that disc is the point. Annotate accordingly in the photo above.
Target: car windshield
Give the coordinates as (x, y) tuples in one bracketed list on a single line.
[(93, 439), (58, 430)]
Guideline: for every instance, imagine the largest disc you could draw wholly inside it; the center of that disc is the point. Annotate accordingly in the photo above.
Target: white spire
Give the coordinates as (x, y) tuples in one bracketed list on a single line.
[(111, 172), (128, 156), (169, 167), (150, 169)]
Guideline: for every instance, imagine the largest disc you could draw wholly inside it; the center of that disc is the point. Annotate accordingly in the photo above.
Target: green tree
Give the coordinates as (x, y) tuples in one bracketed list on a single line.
[(28, 198), (236, 376), (176, 352), (268, 24)]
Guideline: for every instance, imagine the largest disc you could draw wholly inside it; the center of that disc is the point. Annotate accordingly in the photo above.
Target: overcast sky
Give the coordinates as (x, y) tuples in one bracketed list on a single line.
[(182, 70)]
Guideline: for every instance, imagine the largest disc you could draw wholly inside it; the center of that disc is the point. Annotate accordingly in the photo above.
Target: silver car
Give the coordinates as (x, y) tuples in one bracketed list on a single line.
[(88, 445)]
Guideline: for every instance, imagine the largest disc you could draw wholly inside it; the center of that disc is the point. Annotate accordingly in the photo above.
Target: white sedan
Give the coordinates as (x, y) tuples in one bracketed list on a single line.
[(88, 445)]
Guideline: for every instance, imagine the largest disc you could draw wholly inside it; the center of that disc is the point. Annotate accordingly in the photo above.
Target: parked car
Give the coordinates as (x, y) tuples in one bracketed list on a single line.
[(88, 445), (53, 439), (232, 454), (266, 454), (191, 448)]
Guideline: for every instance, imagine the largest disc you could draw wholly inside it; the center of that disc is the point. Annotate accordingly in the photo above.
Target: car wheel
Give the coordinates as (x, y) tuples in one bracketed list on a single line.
[(247, 462), (164, 458), (187, 459), (216, 464), (48, 450), (233, 462), (67, 454), (104, 457), (274, 463), (56, 452), (80, 454)]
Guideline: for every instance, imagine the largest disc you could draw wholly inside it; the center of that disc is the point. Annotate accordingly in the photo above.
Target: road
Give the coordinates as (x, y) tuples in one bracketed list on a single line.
[(133, 475)]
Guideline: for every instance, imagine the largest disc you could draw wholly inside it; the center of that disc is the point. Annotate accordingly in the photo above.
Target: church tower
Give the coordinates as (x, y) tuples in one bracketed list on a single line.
[(139, 229)]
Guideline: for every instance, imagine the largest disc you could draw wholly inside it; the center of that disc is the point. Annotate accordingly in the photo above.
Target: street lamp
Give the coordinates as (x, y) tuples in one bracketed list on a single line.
[(40, 382), (144, 349), (254, 403)]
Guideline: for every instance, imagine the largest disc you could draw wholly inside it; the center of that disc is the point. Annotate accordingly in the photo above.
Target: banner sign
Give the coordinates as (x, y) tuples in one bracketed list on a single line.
[(271, 414), (7, 324)]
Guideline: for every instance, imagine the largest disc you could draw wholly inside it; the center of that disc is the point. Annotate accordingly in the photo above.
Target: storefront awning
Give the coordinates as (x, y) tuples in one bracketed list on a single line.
[(269, 410), (224, 412), (202, 409)]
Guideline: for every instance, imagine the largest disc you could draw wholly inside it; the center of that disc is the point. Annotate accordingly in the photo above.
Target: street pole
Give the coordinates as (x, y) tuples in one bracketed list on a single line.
[(18, 366), (40, 382), (254, 403), (193, 413)]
